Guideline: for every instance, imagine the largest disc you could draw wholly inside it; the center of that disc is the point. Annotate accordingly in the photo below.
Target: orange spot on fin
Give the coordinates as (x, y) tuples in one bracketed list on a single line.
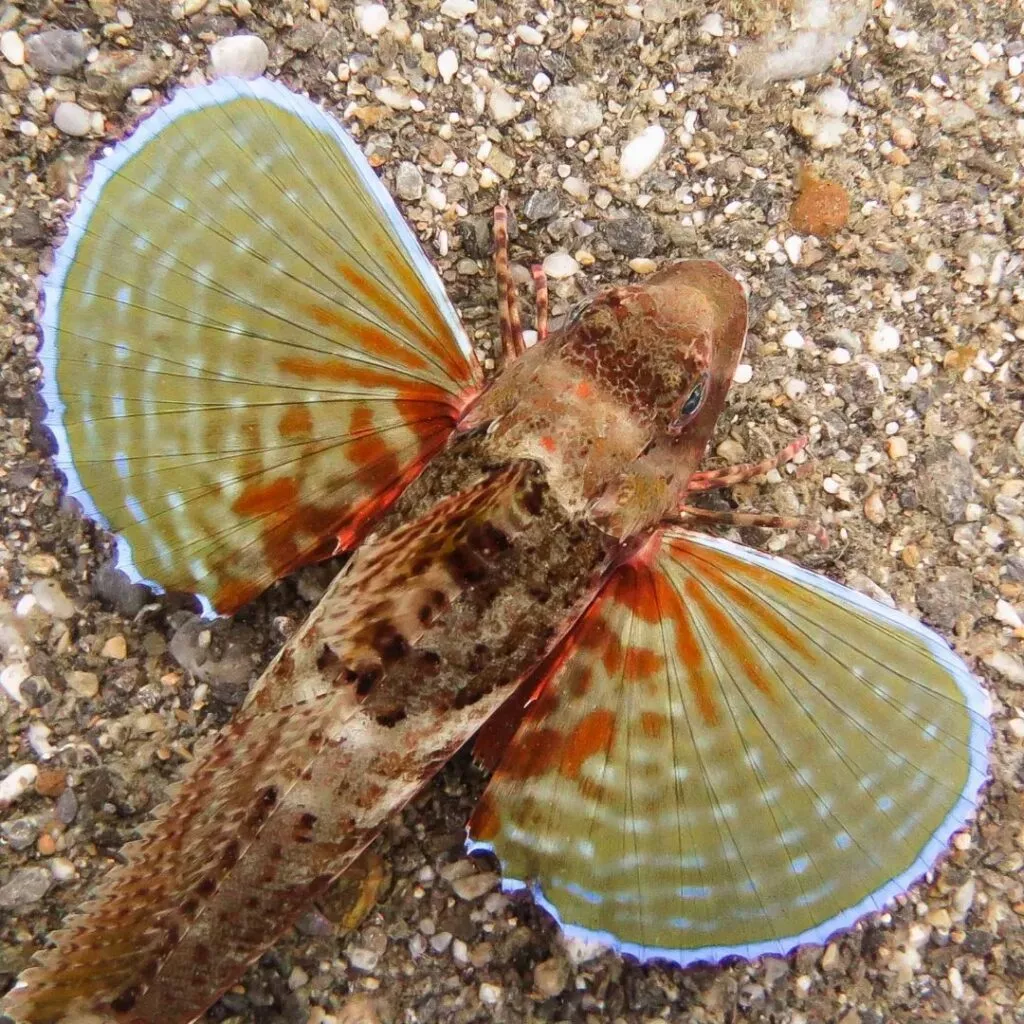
[(590, 736), (296, 422), (372, 339), (261, 499), (652, 724)]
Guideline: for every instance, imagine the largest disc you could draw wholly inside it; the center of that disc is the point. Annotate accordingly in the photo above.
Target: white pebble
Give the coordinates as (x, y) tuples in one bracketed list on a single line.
[(794, 246), (1015, 65), (963, 443), (490, 994), (795, 389), (72, 119), (839, 356), (458, 10), (744, 373), (39, 741), (641, 152), (933, 263), (828, 133), (830, 485), (13, 48), (884, 339), (436, 199), (28, 128), (833, 101), (529, 35), (560, 265), (11, 679), (642, 265), (447, 65), (793, 339), (979, 51), (243, 56), (1007, 615), (713, 24), (17, 782), (373, 19), (541, 82)]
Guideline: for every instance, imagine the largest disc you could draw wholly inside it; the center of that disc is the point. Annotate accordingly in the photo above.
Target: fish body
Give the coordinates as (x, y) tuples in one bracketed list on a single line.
[(699, 751)]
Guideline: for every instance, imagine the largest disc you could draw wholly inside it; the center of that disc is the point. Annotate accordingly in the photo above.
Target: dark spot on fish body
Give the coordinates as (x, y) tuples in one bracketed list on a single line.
[(207, 887), (389, 642), (229, 857), (467, 568), (389, 719), (126, 1000), (327, 658)]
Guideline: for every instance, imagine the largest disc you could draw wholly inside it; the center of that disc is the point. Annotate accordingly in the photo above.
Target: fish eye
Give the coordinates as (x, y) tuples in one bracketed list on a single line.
[(690, 405)]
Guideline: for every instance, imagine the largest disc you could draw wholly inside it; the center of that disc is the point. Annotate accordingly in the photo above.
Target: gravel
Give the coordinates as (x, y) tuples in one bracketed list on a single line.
[(911, 137)]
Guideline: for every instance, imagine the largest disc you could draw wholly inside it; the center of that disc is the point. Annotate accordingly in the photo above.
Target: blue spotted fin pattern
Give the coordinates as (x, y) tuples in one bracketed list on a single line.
[(733, 756), (247, 353)]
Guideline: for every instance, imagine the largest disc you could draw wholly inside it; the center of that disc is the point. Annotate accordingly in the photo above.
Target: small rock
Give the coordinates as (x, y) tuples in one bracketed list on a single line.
[(11, 678), (642, 265), (20, 833), (744, 374), (874, 508), (1009, 667), (541, 205), (297, 978), (18, 781), (458, 10), (440, 941), (72, 119), (833, 101), (27, 885), (946, 483), (502, 105), (52, 599), (641, 153), (793, 339), (472, 887), (363, 959), (85, 684), (630, 235), (58, 51), (115, 648), (26, 227), (821, 207), (113, 75), (560, 265), (529, 35), (550, 977), (947, 598), (66, 809), (885, 338), (243, 56), (490, 994), (713, 24), (373, 19), (570, 112), (12, 48), (409, 181), (51, 781), (447, 65)]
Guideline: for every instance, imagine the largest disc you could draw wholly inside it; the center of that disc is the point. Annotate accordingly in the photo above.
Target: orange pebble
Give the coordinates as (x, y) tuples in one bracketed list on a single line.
[(821, 208)]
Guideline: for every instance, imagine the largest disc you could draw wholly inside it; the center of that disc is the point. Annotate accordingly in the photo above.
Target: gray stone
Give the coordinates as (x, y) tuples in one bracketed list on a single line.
[(570, 112), (25, 886), (67, 807), (58, 51), (72, 119), (20, 833), (541, 204), (946, 483), (26, 228), (631, 235), (409, 181), (945, 599)]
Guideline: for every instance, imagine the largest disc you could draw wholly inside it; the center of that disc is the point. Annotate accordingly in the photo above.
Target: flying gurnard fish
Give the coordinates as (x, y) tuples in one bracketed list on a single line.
[(699, 750)]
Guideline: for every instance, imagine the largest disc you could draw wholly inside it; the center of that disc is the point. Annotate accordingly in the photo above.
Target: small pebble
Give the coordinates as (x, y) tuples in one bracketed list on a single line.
[(115, 648), (490, 994), (72, 119), (885, 338), (363, 959), (26, 885), (18, 781), (474, 886), (440, 942), (795, 389), (502, 105), (541, 82), (713, 24), (51, 598), (458, 10), (821, 207), (560, 265), (641, 153), (642, 265), (571, 113), (839, 356), (874, 508), (12, 48), (897, 447), (373, 19), (57, 51), (794, 246), (833, 101), (85, 684), (11, 678), (244, 56), (409, 181), (793, 339), (529, 35), (744, 374), (447, 65), (550, 977)]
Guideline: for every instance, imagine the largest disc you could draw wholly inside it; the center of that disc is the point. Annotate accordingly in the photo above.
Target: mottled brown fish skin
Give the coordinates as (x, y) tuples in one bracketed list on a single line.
[(412, 648)]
